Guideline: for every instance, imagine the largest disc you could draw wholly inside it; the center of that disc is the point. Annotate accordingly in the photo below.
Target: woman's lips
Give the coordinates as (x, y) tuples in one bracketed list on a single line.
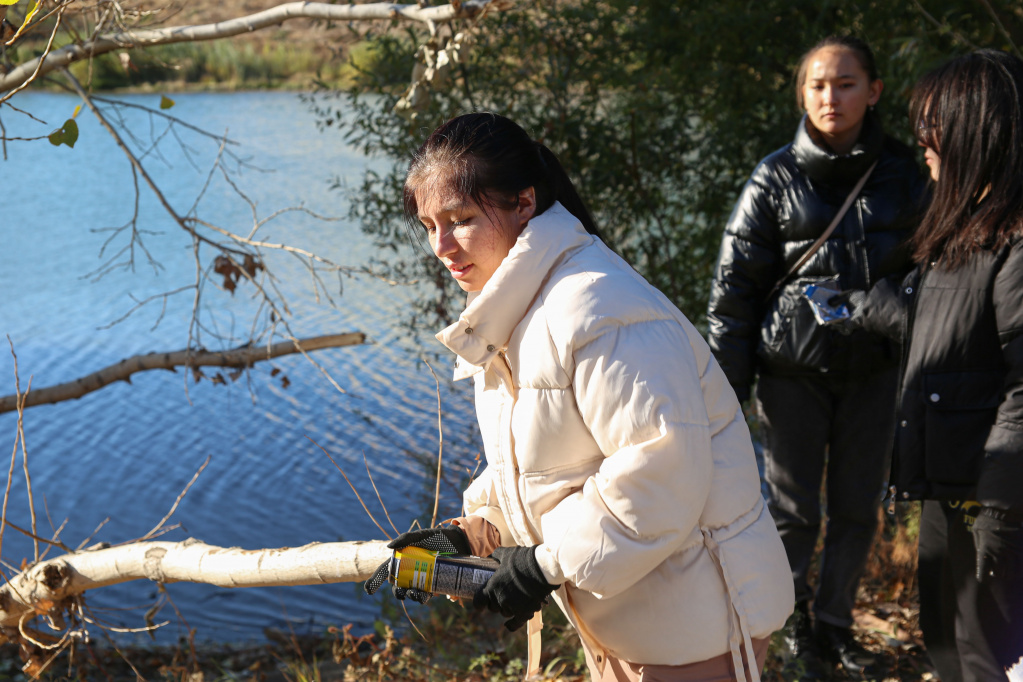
[(459, 271)]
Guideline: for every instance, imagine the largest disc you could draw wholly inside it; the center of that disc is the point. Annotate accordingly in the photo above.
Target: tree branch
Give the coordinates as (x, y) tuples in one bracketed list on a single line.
[(253, 22), (244, 356), (45, 585)]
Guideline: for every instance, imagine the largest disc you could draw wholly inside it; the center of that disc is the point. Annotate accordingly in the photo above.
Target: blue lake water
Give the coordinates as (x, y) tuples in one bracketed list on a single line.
[(126, 451)]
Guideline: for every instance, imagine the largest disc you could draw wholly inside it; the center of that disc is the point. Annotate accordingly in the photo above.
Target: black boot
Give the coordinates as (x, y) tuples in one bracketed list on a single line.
[(800, 651), (838, 645)]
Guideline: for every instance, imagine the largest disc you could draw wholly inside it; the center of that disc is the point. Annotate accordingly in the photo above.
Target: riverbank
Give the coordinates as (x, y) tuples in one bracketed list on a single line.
[(226, 66)]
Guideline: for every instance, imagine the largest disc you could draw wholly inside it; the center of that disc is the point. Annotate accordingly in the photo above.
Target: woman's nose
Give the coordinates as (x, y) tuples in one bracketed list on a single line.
[(444, 242)]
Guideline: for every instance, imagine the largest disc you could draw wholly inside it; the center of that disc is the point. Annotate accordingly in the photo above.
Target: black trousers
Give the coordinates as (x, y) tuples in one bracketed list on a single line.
[(973, 631), (843, 426)]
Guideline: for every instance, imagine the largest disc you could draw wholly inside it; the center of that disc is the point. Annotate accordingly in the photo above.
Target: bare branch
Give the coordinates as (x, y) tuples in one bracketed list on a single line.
[(272, 17), (36, 71), (180, 497), (241, 357), (1001, 26), (959, 37), (440, 447), (350, 485)]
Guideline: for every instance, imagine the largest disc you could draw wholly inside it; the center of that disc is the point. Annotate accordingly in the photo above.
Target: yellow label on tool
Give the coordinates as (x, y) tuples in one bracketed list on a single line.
[(415, 568)]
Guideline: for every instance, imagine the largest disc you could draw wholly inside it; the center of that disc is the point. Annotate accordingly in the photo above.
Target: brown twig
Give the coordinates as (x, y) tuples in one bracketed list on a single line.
[(379, 499), (42, 59), (1001, 26), (370, 515), (181, 496), (84, 542), (14, 454), (38, 538), (24, 461), (440, 448), (942, 26)]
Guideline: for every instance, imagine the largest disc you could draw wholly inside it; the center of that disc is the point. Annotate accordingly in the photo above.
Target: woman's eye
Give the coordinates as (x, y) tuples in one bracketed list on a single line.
[(459, 223)]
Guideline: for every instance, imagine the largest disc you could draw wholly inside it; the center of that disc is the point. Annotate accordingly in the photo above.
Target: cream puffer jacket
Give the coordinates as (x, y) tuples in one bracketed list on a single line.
[(614, 442)]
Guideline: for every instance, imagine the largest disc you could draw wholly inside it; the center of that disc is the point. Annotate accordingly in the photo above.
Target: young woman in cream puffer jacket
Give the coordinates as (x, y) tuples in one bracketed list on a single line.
[(615, 443), (620, 472)]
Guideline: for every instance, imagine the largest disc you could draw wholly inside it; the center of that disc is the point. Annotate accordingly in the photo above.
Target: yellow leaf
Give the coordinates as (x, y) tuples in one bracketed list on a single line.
[(77, 109), (8, 2), (44, 606), (33, 7)]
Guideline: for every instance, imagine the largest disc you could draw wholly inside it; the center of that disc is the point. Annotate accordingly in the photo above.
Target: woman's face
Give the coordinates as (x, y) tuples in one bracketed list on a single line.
[(469, 241), (926, 138), (836, 94), (932, 160)]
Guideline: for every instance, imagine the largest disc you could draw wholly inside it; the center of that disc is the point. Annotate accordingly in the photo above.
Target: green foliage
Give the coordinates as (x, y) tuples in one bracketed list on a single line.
[(66, 134), (214, 64), (659, 110)]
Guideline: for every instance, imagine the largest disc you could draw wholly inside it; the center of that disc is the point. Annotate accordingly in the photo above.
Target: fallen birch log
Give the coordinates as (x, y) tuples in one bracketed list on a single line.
[(43, 586)]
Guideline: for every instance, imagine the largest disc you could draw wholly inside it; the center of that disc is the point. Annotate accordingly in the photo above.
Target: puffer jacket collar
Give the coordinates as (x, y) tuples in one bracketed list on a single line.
[(491, 314), (829, 168)]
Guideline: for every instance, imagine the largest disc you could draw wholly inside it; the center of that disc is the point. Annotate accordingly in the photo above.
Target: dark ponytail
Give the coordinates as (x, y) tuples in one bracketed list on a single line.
[(488, 159), (559, 184)]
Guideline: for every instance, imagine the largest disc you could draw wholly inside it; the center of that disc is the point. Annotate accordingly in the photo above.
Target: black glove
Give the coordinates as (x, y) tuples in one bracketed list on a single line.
[(853, 299), (518, 588), (444, 539), (998, 537)]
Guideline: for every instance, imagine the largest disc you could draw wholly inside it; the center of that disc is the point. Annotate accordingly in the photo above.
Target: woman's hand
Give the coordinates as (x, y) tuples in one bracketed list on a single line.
[(444, 539), (998, 537), (518, 588), (853, 300)]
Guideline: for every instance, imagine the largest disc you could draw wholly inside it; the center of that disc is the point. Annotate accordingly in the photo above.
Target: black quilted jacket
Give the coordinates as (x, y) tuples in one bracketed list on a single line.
[(787, 203), (959, 434)]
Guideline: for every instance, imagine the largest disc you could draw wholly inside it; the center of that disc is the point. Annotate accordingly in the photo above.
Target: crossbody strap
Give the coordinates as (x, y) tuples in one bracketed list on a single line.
[(827, 233)]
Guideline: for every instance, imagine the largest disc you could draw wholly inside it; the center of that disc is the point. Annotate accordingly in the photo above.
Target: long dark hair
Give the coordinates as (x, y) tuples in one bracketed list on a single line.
[(970, 111), (488, 159), (864, 55)]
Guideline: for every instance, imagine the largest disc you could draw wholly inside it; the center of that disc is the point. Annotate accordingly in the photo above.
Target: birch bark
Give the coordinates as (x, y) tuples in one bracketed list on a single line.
[(43, 586)]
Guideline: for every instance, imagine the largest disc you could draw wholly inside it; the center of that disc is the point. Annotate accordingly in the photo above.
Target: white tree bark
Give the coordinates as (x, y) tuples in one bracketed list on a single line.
[(272, 17), (45, 585), (242, 357)]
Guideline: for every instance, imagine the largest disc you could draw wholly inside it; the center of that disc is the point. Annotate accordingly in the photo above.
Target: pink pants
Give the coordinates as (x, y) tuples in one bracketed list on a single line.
[(717, 669)]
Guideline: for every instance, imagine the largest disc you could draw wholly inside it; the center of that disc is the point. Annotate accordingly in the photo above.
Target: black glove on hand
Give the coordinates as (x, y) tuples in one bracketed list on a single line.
[(999, 541), (518, 588), (853, 299), (446, 539)]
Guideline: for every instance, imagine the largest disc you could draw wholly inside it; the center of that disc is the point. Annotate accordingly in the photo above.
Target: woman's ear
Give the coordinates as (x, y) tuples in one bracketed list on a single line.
[(527, 206), (876, 88)]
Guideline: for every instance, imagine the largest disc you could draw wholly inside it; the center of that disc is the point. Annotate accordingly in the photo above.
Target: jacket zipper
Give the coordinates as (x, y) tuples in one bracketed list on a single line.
[(907, 324)]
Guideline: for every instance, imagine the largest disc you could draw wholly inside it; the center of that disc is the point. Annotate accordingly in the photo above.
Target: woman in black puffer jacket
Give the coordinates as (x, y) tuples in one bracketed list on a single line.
[(959, 440), (825, 400)]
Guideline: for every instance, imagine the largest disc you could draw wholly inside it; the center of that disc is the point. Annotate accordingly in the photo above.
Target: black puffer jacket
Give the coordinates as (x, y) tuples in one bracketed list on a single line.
[(959, 434), (787, 204)]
